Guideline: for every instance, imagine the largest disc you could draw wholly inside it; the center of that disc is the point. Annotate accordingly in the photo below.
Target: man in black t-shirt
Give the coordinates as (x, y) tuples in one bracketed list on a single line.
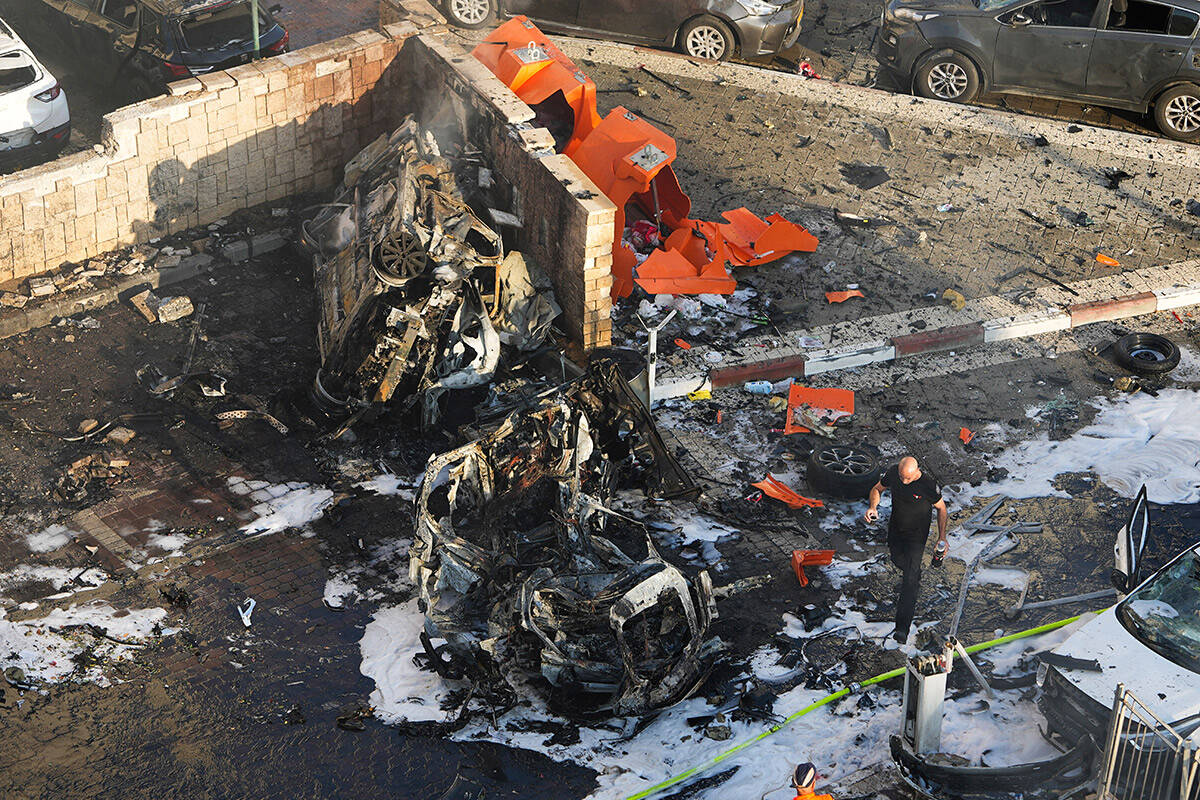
[(914, 495)]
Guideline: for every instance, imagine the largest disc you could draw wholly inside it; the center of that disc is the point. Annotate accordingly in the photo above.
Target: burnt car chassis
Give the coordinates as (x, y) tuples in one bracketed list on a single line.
[(416, 295), (514, 571)]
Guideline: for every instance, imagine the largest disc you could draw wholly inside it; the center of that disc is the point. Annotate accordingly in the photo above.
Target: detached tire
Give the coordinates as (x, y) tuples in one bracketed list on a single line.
[(472, 14), (843, 470), (1146, 353), (1177, 113), (707, 37), (948, 76)]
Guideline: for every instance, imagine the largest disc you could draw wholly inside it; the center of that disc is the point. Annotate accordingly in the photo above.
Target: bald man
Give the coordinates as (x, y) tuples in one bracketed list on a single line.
[(914, 496)]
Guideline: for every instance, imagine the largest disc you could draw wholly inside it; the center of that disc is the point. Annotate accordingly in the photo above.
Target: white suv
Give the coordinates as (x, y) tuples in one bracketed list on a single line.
[(34, 119)]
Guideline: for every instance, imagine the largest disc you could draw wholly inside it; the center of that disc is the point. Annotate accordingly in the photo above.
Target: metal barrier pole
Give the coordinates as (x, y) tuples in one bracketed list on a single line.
[(1104, 784)]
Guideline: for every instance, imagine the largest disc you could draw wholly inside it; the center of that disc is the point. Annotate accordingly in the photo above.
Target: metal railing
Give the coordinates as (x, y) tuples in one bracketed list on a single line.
[(1144, 757)]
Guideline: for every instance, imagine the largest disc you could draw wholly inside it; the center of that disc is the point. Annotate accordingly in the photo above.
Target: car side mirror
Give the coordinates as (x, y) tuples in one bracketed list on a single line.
[(1119, 581), (1020, 20)]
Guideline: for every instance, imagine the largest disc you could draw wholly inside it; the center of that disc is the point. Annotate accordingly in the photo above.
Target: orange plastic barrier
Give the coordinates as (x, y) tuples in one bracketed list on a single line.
[(773, 487), (810, 558), (841, 297), (630, 161), (832, 399)]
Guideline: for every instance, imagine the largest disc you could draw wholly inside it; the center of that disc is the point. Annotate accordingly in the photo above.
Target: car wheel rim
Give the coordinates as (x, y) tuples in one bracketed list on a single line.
[(1183, 113), (844, 460), (1147, 354), (947, 80), (706, 42), (470, 11), (400, 257)]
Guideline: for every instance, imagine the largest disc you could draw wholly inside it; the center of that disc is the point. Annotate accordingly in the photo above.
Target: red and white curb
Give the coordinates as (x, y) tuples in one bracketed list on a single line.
[(784, 362)]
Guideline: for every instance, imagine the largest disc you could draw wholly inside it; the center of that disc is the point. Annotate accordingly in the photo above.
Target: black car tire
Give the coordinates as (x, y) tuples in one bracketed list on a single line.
[(843, 470), (470, 13), (707, 37), (1146, 353), (1177, 113), (948, 76)]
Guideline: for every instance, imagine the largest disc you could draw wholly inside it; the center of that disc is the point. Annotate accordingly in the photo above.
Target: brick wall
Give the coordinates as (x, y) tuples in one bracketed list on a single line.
[(285, 125), (225, 141)]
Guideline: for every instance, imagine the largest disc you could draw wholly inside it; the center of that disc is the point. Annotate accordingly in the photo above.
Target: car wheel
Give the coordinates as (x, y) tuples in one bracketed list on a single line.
[(948, 76), (469, 13), (1177, 113), (843, 470), (707, 37), (1146, 353)]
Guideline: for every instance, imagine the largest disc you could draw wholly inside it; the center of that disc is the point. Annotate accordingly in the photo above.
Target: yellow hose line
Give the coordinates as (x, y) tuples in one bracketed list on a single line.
[(838, 695)]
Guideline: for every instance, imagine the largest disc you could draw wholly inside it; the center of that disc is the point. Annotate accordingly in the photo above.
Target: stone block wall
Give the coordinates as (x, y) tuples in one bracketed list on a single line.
[(214, 144), (286, 125)]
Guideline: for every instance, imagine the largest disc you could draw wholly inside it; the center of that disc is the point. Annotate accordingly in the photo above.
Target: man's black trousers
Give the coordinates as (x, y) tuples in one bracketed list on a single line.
[(907, 548)]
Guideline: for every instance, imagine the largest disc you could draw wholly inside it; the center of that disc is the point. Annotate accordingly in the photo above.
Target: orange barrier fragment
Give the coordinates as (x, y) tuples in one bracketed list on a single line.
[(683, 344), (527, 62), (966, 435), (810, 558), (841, 297), (1107, 261), (629, 160), (773, 487), (819, 399)]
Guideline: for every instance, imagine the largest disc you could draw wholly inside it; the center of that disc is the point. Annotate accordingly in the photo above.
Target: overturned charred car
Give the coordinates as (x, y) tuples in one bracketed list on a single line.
[(417, 296), (514, 569)]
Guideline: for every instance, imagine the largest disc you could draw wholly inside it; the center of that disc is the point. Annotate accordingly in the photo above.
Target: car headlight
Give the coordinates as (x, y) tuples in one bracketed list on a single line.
[(759, 8), (913, 15)]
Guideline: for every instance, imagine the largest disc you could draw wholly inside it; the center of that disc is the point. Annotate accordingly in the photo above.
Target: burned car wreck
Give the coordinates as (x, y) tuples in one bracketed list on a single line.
[(514, 568), (517, 571), (417, 296)]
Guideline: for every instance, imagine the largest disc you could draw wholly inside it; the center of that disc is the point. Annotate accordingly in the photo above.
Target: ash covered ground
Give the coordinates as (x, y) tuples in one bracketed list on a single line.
[(187, 690)]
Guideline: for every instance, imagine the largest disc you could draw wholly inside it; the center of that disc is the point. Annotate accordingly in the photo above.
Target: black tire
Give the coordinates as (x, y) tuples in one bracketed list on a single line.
[(843, 470), (1177, 113), (948, 76), (707, 37), (472, 14), (1146, 353)]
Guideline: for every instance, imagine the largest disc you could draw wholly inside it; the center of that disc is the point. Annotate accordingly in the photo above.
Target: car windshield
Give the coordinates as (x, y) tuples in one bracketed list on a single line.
[(992, 5), (222, 26), (1164, 613), (16, 71)]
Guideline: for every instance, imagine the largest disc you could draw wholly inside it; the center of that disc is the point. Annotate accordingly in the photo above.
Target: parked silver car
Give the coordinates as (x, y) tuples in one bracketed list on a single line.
[(712, 29)]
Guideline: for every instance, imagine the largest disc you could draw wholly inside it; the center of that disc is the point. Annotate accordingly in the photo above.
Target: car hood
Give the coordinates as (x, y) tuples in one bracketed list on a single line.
[(1168, 689)]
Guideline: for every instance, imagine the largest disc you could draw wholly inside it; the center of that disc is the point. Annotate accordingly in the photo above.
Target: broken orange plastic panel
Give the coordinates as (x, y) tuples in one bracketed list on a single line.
[(965, 435), (810, 558), (630, 161), (841, 297), (773, 487), (527, 62), (831, 399), (1107, 261)]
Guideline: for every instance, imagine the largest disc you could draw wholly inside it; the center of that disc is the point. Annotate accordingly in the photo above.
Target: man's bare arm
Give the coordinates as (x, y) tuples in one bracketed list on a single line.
[(943, 517), (872, 513)]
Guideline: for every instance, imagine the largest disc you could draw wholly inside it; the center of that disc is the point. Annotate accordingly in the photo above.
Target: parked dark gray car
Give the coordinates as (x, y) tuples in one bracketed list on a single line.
[(715, 29), (139, 46), (1130, 54)]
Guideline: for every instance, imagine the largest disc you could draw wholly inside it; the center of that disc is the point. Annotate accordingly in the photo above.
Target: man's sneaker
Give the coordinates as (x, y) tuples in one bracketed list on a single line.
[(900, 636)]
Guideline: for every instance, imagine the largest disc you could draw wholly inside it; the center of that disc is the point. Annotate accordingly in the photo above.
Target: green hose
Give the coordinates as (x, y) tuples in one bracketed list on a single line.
[(838, 695)]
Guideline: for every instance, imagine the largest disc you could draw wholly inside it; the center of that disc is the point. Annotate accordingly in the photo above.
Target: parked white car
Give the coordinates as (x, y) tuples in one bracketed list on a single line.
[(35, 122), (1150, 642)]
